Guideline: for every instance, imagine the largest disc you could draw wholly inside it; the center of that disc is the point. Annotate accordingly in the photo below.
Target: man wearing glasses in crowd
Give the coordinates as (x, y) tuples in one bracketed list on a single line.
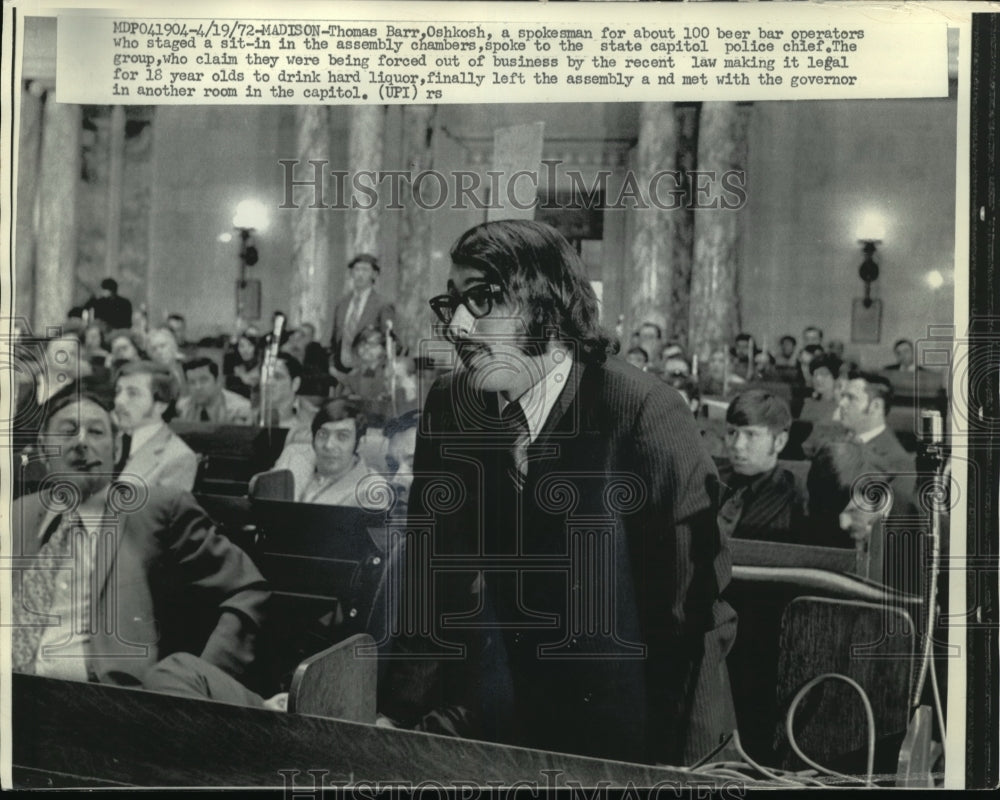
[(545, 431)]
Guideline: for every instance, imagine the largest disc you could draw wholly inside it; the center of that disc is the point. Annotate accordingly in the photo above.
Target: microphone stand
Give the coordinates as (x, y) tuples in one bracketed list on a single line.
[(935, 457), (390, 352), (267, 369)]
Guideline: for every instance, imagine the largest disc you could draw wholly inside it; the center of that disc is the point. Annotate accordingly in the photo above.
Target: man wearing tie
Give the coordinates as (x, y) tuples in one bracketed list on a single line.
[(150, 450), (150, 562), (362, 308), (207, 399), (759, 498), (584, 490)]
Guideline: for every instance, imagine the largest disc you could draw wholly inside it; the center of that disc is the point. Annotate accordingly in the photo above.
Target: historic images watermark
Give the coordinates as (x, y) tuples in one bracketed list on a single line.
[(457, 190)]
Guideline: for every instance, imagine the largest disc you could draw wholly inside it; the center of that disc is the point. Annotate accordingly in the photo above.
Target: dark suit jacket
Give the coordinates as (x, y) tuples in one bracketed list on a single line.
[(114, 311), (886, 452), (376, 311), (618, 478), (773, 508), (170, 584)]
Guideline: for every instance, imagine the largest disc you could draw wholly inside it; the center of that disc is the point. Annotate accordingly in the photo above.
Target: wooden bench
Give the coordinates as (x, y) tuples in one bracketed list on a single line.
[(326, 566), (767, 579), (69, 734)]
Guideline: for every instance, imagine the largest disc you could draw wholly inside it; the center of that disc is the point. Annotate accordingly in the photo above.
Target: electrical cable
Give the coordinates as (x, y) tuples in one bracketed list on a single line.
[(869, 713)]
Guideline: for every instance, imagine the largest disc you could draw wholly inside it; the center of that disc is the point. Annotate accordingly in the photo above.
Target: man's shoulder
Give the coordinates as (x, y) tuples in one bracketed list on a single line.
[(888, 445), (784, 481), (233, 401), (155, 508), (627, 390), (174, 447)]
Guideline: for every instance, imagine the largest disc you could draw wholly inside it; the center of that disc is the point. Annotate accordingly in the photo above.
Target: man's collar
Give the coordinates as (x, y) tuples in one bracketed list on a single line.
[(867, 436), (752, 482), (538, 401), (362, 296), (143, 434)]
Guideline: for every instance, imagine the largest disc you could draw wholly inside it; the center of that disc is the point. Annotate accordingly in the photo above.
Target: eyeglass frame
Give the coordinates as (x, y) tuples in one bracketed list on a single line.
[(454, 299)]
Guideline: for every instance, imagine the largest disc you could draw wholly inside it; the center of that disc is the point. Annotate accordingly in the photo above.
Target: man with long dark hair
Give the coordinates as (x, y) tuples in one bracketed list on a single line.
[(574, 577)]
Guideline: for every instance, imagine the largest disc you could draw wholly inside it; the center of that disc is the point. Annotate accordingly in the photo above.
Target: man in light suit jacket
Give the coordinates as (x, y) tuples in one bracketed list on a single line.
[(152, 452), (562, 455), (362, 308), (148, 561)]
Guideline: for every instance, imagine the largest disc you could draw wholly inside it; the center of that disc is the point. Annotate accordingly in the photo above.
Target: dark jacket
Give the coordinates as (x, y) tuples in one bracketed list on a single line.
[(617, 519), (170, 584), (772, 509)]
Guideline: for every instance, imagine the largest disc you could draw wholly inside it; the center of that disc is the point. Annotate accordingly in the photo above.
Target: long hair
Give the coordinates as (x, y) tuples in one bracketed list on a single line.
[(541, 271)]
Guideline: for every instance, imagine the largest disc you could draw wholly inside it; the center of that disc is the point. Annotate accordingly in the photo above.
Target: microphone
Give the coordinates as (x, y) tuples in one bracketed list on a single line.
[(267, 368), (390, 353)]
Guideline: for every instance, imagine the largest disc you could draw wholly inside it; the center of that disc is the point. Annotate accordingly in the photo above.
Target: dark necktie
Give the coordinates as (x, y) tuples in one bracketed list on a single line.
[(515, 423), (126, 451), (37, 590), (732, 510), (204, 415)]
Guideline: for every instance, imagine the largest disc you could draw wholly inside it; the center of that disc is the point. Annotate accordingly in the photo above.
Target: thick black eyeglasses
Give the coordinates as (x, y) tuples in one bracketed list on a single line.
[(478, 300)]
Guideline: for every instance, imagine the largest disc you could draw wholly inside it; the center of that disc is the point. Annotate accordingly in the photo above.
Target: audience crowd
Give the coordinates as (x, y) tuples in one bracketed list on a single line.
[(798, 434)]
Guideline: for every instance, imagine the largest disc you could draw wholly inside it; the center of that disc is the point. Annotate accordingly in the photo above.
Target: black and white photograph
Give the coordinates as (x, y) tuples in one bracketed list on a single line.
[(629, 440)]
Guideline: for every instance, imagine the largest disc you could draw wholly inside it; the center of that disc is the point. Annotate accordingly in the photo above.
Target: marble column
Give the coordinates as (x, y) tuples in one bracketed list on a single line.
[(310, 246), (416, 226), (686, 115), (652, 242), (29, 143), (58, 177), (115, 189), (366, 143), (715, 302)]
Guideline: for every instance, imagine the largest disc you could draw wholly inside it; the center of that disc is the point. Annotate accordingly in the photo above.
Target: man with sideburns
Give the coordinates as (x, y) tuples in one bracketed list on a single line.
[(586, 492)]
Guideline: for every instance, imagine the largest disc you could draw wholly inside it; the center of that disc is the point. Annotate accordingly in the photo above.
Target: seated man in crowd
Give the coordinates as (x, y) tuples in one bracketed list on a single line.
[(811, 335), (821, 404), (207, 399), (176, 585), (786, 353), (330, 471), (759, 498), (864, 404), (286, 408), (688, 388), (401, 435), (178, 327), (844, 499), (651, 342), (151, 452), (125, 346), (903, 348), (637, 357), (387, 387), (675, 365)]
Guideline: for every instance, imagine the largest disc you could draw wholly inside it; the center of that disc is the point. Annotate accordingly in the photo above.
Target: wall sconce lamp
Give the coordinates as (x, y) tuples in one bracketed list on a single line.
[(870, 232), (868, 271), (249, 219)]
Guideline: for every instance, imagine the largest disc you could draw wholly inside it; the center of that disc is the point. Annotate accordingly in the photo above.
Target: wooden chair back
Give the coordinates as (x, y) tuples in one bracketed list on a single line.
[(338, 682)]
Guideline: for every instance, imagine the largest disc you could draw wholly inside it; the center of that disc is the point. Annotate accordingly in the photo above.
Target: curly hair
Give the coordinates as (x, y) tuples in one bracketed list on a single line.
[(539, 270)]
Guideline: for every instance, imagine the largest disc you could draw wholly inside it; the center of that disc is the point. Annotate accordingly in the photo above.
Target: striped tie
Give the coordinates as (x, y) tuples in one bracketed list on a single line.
[(516, 424), (731, 511)]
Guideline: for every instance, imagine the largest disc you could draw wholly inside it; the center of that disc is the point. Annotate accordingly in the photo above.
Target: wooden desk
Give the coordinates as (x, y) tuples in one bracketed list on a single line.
[(75, 734)]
